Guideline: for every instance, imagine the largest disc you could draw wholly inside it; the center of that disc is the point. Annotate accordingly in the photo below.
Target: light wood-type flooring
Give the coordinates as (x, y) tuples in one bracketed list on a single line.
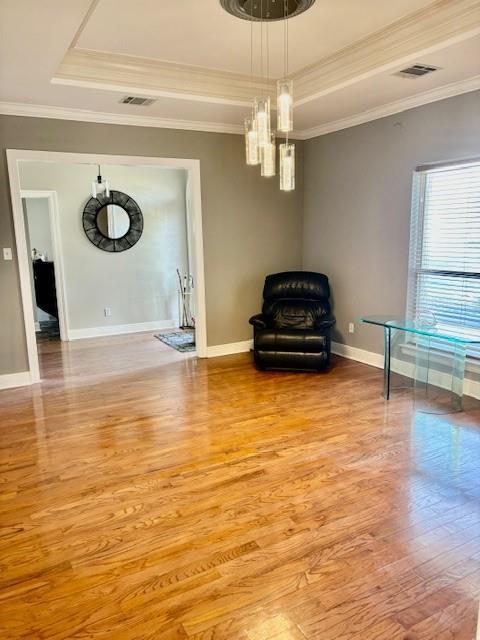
[(146, 494)]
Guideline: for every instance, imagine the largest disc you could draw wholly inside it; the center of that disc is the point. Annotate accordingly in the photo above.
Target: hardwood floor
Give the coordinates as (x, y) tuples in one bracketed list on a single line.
[(147, 494)]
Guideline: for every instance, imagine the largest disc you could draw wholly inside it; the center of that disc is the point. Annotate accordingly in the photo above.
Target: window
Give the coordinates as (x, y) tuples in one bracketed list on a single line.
[(444, 278)]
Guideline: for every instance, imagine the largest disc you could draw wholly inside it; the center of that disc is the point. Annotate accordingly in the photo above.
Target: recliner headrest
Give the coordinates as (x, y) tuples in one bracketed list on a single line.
[(297, 284)]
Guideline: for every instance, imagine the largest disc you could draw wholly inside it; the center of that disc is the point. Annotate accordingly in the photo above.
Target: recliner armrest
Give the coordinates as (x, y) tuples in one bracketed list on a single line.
[(259, 321), (326, 323)]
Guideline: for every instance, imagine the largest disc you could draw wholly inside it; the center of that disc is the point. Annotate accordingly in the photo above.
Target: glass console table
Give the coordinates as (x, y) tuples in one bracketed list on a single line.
[(427, 358)]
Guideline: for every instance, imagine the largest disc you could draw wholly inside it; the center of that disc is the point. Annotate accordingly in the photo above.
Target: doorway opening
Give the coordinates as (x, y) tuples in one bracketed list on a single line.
[(72, 288), (40, 216)]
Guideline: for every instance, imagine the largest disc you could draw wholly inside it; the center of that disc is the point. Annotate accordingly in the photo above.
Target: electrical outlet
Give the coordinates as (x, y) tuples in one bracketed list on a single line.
[(108, 312), (7, 253), (351, 327)]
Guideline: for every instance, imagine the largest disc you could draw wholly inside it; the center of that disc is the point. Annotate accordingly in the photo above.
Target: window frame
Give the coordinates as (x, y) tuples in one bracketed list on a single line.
[(417, 245)]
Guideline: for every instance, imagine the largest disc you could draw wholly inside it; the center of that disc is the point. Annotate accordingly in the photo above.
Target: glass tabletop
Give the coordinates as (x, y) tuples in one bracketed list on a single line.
[(422, 328)]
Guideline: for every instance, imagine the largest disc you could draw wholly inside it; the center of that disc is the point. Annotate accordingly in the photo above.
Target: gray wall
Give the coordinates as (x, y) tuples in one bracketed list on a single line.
[(250, 227), (356, 206), (138, 285), (358, 199)]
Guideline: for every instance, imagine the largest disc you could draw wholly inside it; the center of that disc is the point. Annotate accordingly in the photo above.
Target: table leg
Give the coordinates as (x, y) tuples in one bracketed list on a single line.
[(386, 363), (458, 375)]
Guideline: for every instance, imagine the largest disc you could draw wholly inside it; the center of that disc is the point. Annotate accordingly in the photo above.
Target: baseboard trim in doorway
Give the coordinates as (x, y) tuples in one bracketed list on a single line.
[(120, 329), (229, 349), (12, 380)]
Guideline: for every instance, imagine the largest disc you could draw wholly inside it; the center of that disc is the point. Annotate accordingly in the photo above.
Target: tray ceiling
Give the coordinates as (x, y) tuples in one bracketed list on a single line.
[(194, 58), (201, 33)]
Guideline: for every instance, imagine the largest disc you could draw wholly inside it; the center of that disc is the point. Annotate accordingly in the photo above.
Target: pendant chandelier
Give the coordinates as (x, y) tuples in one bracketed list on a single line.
[(100, 186), (260, 138)]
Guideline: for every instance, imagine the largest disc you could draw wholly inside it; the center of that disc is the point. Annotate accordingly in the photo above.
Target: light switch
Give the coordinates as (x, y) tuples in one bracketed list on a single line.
[(7, 253)]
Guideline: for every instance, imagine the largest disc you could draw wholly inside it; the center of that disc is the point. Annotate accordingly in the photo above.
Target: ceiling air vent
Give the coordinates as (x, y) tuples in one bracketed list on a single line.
[(141, 102), (417, 70)]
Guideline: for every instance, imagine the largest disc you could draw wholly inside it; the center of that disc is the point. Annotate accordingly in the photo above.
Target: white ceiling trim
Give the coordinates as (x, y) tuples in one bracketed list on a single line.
[(147, 77), (82, 115), (433, 95), (441, 24), (437, 26)]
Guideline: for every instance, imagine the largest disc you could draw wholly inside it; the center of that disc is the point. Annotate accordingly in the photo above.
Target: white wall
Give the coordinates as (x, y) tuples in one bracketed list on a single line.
[(139, 285), (39, 225), (40, 238)]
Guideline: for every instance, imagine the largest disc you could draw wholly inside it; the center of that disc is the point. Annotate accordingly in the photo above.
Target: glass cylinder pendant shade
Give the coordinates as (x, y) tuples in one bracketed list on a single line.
[(100, 187), (268, 158), (262, 120), (287, 167), (251, 143), (284, 106)]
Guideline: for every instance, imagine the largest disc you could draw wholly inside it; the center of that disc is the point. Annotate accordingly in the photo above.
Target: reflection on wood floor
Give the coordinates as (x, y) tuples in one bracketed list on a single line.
[(148, 494)]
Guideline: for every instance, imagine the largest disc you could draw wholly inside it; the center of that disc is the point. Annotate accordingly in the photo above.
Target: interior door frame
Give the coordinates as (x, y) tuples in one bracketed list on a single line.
[(194, 225), (53, 214)]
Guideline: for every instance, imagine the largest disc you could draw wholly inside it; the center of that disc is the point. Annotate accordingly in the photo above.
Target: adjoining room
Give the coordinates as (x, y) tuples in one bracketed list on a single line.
[(132, 234), (240, 327)]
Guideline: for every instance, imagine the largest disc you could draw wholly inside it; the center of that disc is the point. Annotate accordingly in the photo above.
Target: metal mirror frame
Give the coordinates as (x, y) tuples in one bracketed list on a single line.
[(103, 242)]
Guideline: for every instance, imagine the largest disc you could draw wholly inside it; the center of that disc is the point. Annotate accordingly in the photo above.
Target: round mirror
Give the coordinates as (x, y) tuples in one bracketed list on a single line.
[(113, 221)]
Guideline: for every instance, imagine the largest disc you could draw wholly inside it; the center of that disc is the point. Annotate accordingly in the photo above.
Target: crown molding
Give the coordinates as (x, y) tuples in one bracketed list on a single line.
[(148, 77), (441, 24), (83, 115), (433, 95), (101, 117)]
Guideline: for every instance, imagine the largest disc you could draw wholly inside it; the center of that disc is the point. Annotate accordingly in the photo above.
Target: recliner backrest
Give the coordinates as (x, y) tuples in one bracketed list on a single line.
[(297, 284), (296, 299)]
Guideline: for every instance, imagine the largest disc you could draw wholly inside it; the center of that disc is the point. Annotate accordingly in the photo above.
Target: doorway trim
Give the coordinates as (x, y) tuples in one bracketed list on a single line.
[(195, 228), (53, 214)]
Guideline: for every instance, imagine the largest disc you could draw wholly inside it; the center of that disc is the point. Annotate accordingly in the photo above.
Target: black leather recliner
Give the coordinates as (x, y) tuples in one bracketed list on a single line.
[(293, 330)]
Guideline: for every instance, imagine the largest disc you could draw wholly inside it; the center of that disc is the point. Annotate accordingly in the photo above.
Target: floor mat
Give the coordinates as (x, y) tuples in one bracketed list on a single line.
[(183, 340)]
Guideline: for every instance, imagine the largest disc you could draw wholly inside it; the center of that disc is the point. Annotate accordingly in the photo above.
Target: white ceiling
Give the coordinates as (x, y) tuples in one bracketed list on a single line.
[(200, 32), (59, 57)]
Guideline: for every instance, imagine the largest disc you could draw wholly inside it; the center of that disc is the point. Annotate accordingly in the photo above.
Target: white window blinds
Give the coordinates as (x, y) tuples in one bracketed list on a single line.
[(444, 277)]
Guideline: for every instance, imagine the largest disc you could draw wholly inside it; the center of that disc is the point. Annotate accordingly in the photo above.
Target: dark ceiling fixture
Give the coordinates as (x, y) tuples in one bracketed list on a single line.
[(256, 10)]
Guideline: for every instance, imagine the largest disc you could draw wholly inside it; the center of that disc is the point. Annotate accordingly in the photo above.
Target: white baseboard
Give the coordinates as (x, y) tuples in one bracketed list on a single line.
[(359, 355), (12, 380), (119, 329), (229, 348), (470, 387)]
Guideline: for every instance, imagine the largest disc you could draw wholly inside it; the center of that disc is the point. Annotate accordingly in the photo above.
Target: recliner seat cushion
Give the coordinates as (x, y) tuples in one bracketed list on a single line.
[(290, 340)]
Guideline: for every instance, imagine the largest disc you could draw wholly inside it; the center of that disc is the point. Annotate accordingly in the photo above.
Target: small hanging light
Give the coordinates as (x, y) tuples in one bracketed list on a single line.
[(100, 186), (251, 142), (268, 158), (262, 103), (287, 166), (262, 120), (285, 105)]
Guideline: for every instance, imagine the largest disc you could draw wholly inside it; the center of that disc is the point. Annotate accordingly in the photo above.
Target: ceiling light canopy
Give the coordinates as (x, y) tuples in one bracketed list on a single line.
[(257, 10)]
